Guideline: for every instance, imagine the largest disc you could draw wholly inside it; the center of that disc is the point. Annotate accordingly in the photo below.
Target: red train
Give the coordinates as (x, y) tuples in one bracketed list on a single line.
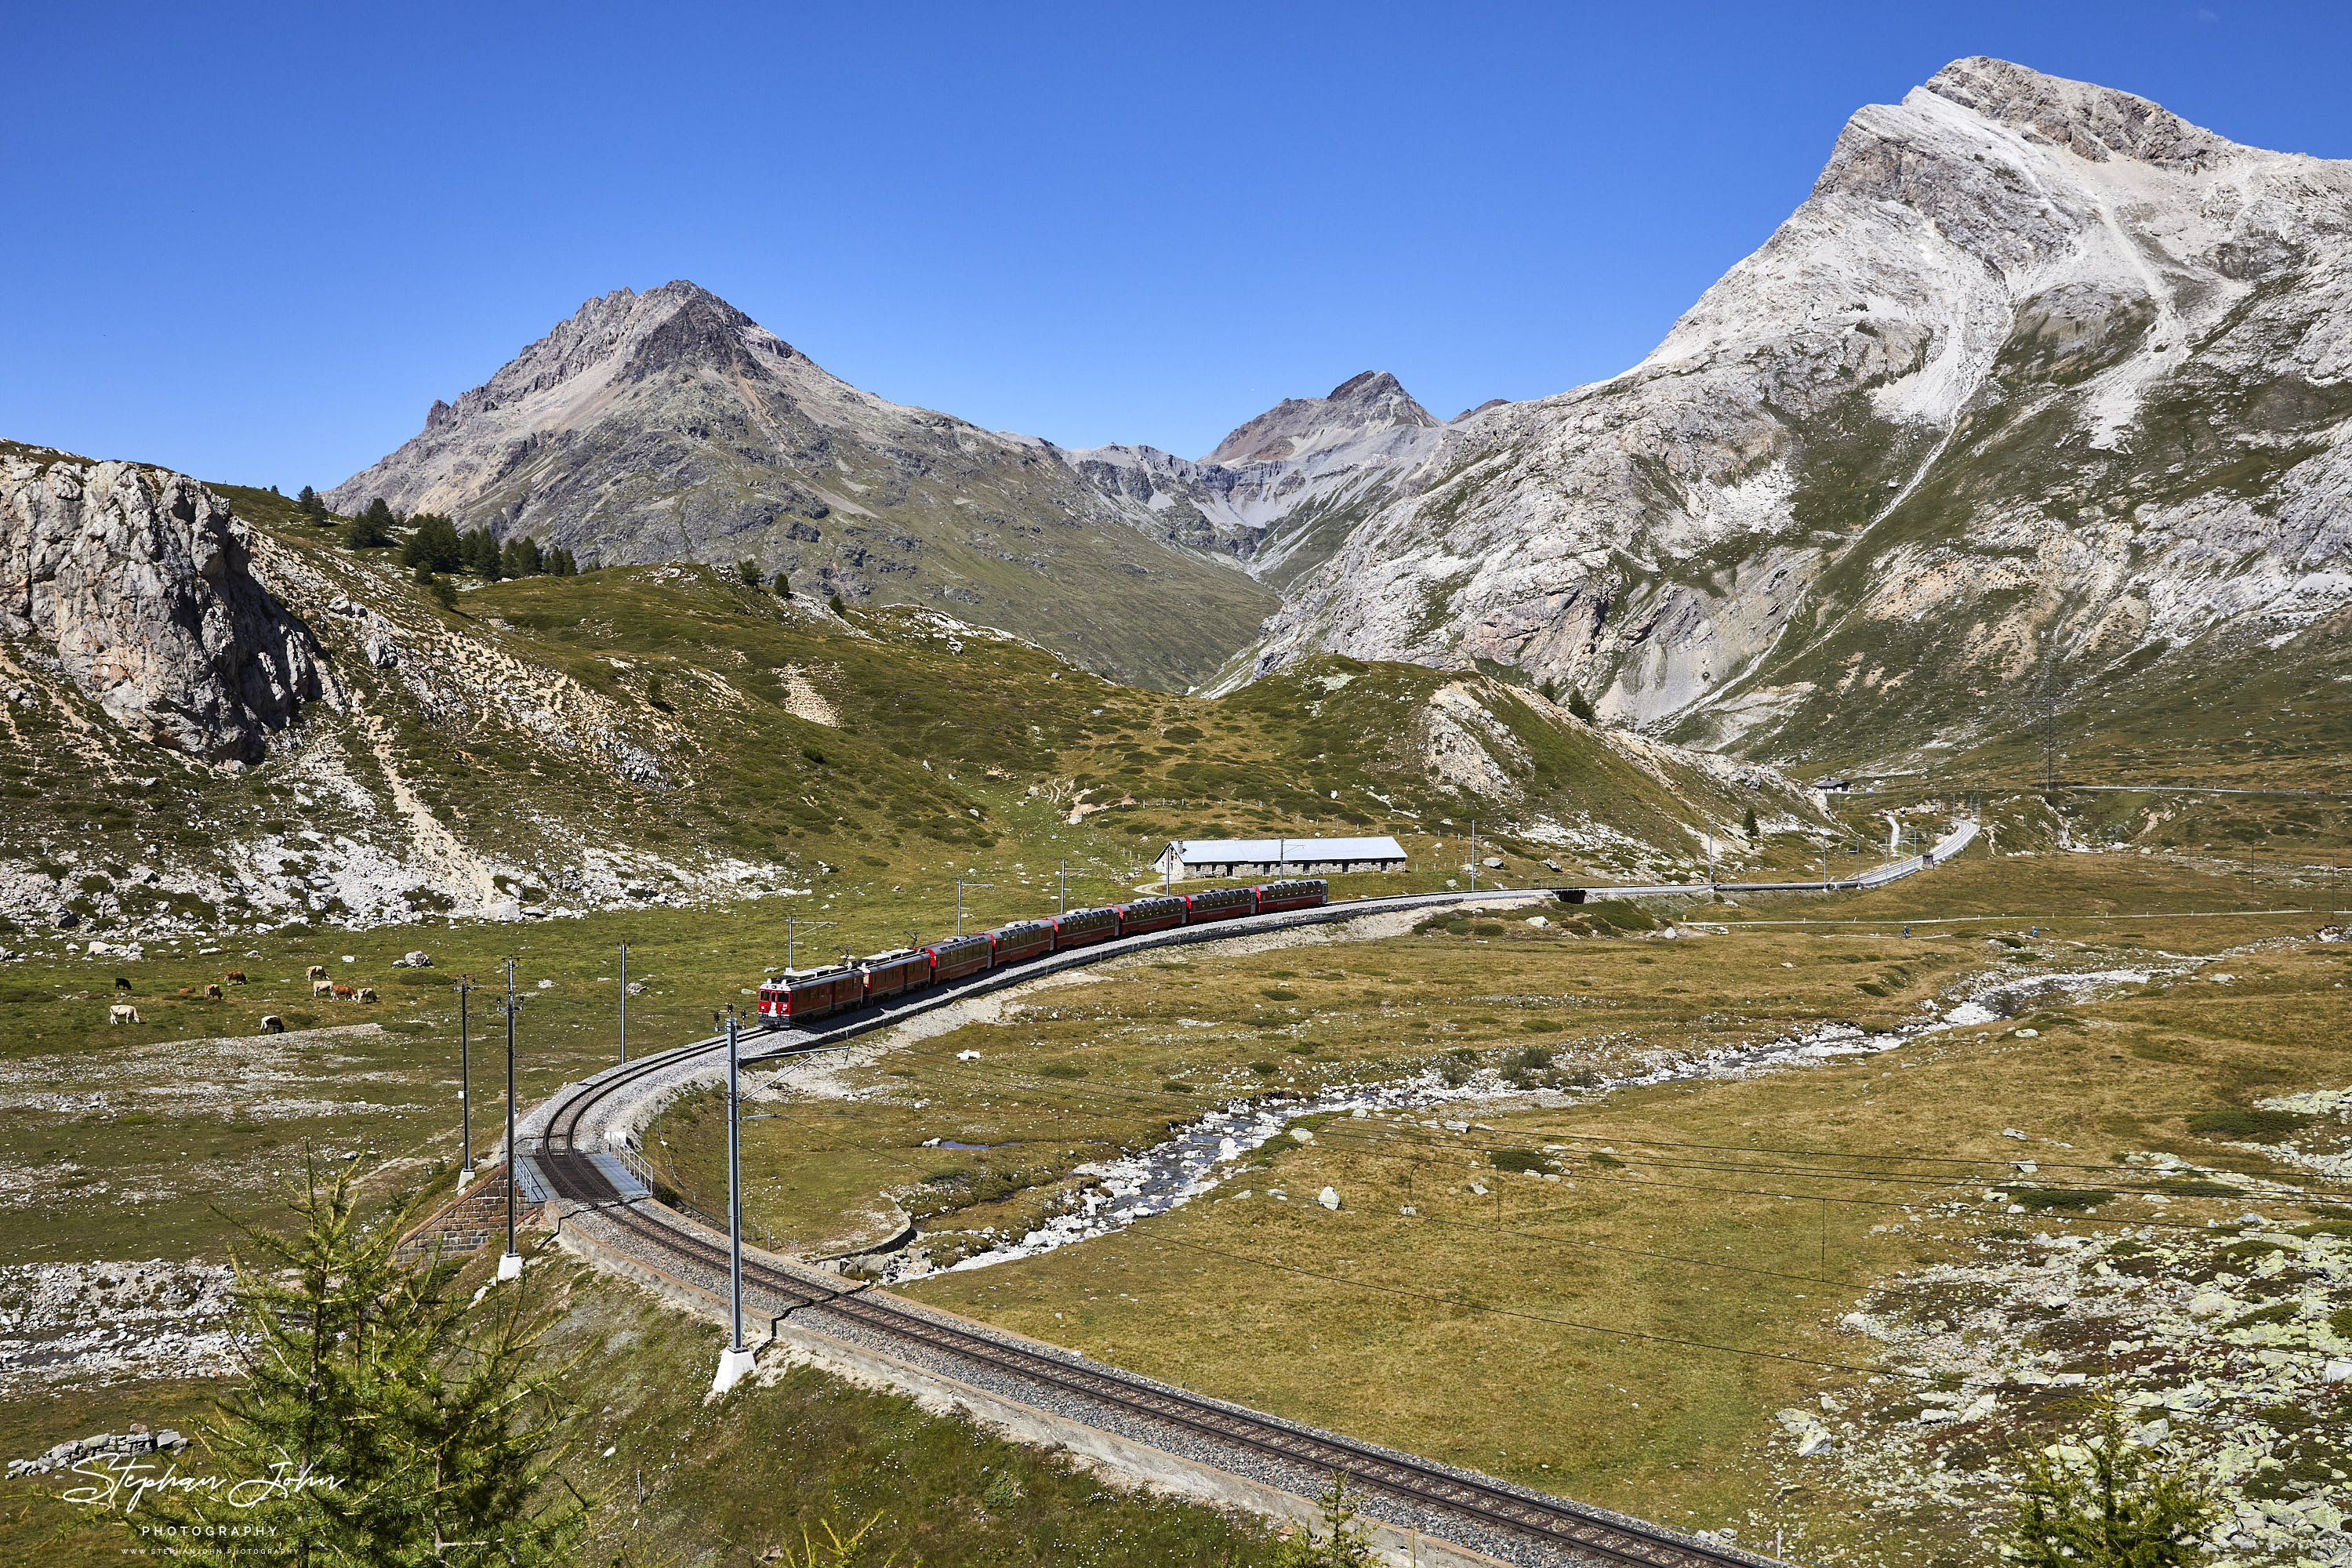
[(801, 994)]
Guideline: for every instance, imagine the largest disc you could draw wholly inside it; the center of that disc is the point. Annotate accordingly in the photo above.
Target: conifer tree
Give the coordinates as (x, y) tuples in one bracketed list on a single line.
[(1748, 822), (432, 544), (748, 574), (479, 553), (1579, 705), (372, 529), (522, 557), (402, 1427), (2107, 1503), (562, 563), (308, 504), (784, 586), (1344, 1543)]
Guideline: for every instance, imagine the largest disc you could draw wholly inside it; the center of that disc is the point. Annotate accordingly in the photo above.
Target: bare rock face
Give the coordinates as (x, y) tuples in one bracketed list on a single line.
[(135, 579), (2040, 374)]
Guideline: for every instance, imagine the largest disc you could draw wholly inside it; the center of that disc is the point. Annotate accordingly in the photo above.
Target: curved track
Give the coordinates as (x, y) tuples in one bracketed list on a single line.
[(1491, 1510)]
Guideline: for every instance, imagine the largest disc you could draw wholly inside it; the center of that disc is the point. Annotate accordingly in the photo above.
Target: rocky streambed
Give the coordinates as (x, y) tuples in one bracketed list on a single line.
[(1200, 1157)]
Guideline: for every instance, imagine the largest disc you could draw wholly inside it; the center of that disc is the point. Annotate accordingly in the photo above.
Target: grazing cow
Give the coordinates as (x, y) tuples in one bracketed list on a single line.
[(321, 988), (121, 984), (187, 990), (211, 993), (318, 972), (272, 1024), (235, 977), (122, 1013), (341, 992), (366, 993)]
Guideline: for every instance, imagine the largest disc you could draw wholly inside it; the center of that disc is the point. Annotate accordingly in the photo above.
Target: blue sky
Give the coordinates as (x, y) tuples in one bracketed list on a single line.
[(255, 242)]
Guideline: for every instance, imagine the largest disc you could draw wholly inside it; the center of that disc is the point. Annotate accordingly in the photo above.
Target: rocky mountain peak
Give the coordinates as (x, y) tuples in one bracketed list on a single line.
[(1297, 425), (2092, 121)]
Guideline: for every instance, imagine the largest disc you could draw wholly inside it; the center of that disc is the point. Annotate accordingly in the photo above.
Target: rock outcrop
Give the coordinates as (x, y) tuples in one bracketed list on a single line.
[(135, 581)]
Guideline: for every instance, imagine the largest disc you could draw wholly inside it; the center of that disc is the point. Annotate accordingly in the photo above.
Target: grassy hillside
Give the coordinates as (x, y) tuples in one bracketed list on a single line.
[(548, 745)]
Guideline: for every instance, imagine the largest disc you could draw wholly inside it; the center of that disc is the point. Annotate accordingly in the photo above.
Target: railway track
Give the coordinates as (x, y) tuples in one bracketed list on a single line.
[(1497, 1515)]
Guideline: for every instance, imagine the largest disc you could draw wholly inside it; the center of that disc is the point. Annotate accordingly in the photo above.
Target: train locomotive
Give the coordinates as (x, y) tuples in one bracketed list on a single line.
[(799, 996)]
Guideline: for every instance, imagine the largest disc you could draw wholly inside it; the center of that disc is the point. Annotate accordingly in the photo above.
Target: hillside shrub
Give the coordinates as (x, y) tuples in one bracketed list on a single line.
[(2248, 1126)]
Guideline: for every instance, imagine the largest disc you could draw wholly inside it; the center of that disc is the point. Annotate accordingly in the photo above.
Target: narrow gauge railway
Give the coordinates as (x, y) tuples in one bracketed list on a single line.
[(803, 995), (1489, 1515)]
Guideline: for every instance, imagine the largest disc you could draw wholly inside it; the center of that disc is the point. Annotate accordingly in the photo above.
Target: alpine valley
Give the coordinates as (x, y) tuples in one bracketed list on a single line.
[(2001, 501)]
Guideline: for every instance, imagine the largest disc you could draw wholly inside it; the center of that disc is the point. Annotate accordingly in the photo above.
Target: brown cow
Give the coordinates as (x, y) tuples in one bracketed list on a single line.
[(321, 988), (366, 993), (272, 1024), (211, 993), (343, 993), (235, 977), (318, 972)]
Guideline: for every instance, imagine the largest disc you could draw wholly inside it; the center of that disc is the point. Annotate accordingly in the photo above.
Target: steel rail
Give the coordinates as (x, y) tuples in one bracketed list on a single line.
[(573, 1176)]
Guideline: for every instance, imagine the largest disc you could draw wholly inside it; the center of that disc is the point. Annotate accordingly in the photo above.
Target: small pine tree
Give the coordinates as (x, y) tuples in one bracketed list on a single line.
[(2117, 1507), (1343, 1545), (1579, 705), (479, 553), (838, 607), (372, 529), (444, 591), (748, 574), (1748, 822), (401, 1429), (308, 504), (654, 692), (562, 563), (521, 558), (784, 586)]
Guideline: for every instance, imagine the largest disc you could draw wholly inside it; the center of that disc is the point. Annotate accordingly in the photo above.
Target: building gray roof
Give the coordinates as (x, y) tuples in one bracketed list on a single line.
[(1269, 851)]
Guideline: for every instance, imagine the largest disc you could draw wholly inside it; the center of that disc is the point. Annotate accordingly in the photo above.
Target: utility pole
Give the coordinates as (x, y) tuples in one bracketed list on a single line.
[(1473, 853), (1710, 861), (2049, 719), (737, 1358), (624, 1000), (961, 885), (510, 1261), (465, 1087)]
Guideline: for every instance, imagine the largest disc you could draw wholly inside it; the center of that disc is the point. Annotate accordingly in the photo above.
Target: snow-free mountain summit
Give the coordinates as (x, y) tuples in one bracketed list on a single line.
[(668, 425)]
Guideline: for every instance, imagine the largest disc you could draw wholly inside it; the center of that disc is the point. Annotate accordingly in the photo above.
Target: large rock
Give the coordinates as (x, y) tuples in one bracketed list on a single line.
[(137, 579)]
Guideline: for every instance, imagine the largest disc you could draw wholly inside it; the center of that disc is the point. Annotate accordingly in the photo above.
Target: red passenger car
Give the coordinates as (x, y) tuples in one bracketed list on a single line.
[(1297, 894), (889, 974), (959, 956), (1151, 914), (1021, 939), (1218, 904), (1080, 927)]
